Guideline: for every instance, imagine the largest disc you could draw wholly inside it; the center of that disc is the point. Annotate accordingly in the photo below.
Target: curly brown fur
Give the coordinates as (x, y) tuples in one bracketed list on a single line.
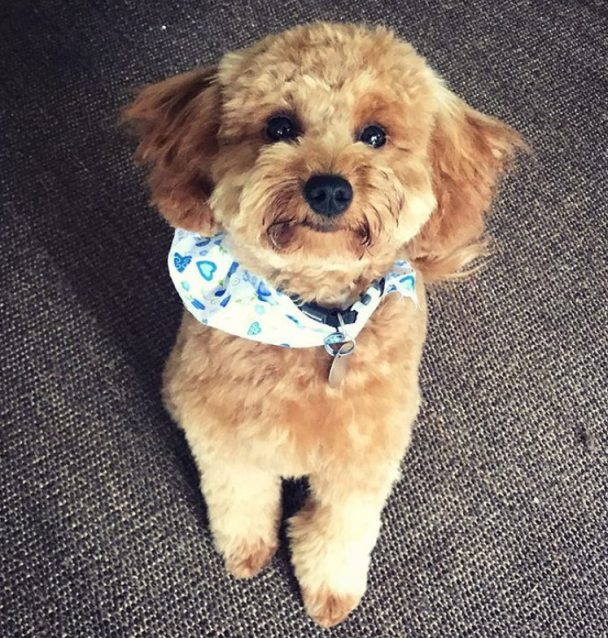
[(253, 413)]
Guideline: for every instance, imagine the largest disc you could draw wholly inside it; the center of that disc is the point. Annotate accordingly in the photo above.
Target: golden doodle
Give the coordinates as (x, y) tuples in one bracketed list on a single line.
[(317, 180)]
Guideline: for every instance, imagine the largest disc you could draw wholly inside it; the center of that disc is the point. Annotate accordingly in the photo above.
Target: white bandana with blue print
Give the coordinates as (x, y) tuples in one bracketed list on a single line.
[(218, 292)]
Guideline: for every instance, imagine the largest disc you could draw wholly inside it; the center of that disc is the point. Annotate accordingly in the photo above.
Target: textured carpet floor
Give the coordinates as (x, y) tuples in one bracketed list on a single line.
[(499, 525)]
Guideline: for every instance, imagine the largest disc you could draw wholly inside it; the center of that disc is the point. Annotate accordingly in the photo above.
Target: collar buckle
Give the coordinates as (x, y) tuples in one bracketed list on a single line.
[(329, 317), (336, 318)]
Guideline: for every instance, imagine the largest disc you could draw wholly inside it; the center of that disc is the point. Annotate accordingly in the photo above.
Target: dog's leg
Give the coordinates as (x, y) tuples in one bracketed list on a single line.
[(243, 505), (333, 536)]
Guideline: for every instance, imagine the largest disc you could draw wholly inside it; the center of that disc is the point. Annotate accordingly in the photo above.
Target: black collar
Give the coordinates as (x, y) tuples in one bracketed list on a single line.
[(336, 317)]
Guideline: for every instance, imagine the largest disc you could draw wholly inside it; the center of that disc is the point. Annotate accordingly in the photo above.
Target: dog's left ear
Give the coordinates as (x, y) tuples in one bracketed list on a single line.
[(469, 151), (176, 122)]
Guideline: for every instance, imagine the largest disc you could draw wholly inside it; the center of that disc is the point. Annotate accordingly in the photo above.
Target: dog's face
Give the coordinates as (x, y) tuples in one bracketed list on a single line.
[(325, 149)]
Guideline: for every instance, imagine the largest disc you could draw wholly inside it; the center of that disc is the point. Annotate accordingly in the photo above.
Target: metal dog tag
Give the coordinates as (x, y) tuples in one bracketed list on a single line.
[(339, 364)]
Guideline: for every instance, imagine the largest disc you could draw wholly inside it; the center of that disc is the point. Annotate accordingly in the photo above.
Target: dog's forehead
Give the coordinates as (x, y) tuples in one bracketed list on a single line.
[(322, 69)]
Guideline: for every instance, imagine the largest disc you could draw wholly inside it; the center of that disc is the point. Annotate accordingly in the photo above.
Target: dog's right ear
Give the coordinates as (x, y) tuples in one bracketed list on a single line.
[(176, 122)]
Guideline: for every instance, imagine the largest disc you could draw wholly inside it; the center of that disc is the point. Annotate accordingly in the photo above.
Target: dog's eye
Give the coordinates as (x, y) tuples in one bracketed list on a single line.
[(281, 127), (373, 135)]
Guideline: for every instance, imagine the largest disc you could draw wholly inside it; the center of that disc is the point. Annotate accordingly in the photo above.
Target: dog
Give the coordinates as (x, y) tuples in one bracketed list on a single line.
[(317, 179)]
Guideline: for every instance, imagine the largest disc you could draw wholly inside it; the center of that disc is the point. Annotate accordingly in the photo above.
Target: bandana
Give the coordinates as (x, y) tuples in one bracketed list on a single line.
[(218, 292)]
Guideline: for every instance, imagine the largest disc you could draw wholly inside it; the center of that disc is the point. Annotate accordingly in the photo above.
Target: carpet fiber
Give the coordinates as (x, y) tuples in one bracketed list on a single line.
[(499, 525)]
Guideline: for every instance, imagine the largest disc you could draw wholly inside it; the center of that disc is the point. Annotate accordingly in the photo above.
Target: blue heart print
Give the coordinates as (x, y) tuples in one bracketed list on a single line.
[(262, 292), (180, 262), (206, 269), (408, 281), (254, 329)]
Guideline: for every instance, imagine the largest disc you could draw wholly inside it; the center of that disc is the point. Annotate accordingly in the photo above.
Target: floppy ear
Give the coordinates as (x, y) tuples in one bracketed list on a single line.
[(469, 151), (176, 122)]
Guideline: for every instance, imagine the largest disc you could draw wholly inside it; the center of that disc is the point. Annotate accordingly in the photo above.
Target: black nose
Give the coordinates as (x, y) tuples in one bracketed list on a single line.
[(328, 195)]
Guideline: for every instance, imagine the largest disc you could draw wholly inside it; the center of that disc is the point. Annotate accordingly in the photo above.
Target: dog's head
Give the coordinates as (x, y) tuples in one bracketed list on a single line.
[(325, 152)]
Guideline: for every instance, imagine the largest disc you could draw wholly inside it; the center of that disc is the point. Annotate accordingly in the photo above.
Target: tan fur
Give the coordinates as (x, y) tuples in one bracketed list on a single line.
[(253, 413)]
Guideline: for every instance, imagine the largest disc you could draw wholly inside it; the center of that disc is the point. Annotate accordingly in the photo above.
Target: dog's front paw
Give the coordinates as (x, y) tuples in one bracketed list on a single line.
[(249, 558), (329, 608), (330, 564)]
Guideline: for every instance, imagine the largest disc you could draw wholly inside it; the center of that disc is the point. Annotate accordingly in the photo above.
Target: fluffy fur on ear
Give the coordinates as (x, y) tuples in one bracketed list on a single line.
[(176, 122), (469, 151)]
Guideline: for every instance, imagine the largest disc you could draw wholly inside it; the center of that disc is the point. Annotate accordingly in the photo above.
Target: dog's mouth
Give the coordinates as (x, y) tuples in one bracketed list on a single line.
[(283, 232), (322, 225)]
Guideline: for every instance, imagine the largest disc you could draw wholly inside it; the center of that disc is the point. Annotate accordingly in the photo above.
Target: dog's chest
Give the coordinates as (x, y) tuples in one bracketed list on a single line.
[(278, 403)]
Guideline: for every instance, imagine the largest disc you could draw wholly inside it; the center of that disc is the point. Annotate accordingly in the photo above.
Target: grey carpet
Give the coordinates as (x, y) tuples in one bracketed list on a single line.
[(499, 525)]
